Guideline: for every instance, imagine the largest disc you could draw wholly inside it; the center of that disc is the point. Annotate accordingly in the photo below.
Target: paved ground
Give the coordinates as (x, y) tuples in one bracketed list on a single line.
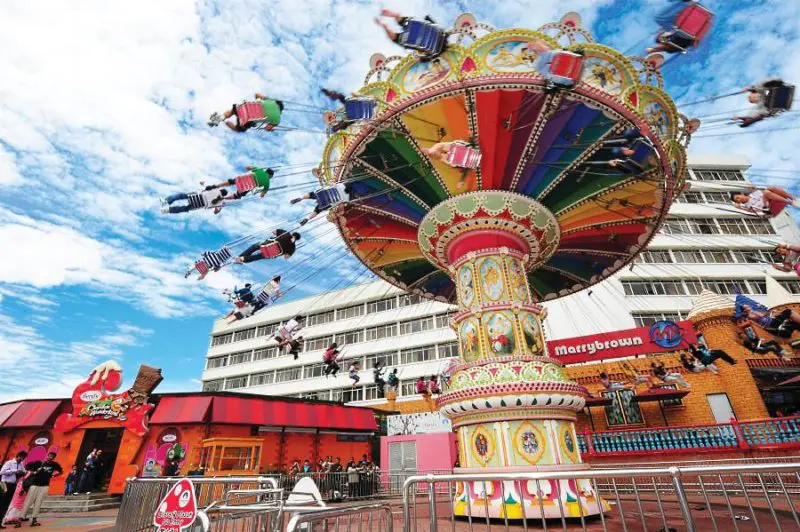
[(77, 522)]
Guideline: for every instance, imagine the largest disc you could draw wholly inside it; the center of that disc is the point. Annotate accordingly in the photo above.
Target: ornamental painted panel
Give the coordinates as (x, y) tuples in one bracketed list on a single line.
[(602, 74), (470, 344), (532, 333), (500, 333), (491, 275), (512, 56), (482, 445), (517, 283), (529, 442), (466, 285), (567, 443), (425, 74)]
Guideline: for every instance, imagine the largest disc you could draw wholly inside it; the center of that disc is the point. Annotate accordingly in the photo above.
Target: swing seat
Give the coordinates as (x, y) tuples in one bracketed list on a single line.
[(424, 37), (284, 334), (271, 250), (359, 108), (695, 21), (462, 155), (248, 112), (560, 67), (775, 208), (201, 267), (779, 99), (245, 183), (327, 197)]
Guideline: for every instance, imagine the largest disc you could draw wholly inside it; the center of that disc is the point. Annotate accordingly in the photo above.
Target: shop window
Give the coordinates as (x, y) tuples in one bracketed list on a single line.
[(622, 411)]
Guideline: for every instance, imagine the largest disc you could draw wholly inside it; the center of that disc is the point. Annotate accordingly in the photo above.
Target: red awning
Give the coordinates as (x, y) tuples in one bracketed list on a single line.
[(659, 394), (33, 414), (271, 412), (7, 410), (181, 410)]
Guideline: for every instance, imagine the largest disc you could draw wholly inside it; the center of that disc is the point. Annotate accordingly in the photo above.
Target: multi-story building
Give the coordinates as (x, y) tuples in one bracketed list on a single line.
[(704, 243)]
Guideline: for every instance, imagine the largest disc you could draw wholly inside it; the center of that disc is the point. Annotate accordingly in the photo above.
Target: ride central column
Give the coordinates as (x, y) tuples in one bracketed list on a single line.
[(511, 405)]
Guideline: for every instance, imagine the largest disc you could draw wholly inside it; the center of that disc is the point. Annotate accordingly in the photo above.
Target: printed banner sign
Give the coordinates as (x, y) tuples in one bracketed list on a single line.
[(660, 337), (420, 423), (178, 509), (94, 399)]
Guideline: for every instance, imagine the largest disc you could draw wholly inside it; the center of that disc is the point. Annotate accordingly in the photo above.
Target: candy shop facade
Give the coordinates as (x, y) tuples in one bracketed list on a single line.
[(205, 433)]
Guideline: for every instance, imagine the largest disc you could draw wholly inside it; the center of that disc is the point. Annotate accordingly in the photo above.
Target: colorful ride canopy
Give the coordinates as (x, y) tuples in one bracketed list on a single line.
[(534, 141)]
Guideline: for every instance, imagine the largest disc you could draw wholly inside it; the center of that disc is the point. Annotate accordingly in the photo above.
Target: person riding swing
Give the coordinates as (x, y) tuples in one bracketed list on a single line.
[(282, 243), (263, 113)]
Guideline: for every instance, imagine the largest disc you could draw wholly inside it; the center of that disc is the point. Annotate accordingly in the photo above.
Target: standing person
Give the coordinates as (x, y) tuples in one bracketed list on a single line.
[(87, 474), (10, 474), (377, 375), (40, 485), (16, 510), (352, 479), (307, 467), (71, 483), (99, 469), (352, 372)]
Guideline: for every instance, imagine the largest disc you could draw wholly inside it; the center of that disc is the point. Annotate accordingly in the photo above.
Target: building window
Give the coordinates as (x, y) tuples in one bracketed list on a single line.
[(222, 339), (240, 358), (654, 257), (386, 359), (313, 371), (792, 286), (288, 374), (410, 299), (265, 353), (316, 344), (267, 330), (716, 197), (417, 354), (653, 288), (443, 320), (646, 319), (381, 305), (346, 395), (320, 318), (217, 362), (371, 392), (408, 388), (718, 175), (691, 197), (236, 382), (416, 326), (381, 331), (688, 256), (751, 256), (213, 386), (732, 226), (448, 350), (759, 227), (717, 256), (245, 334), (313, 395), (350, 312), (348, 338), (622, 411), (670, 287), (259, 379)]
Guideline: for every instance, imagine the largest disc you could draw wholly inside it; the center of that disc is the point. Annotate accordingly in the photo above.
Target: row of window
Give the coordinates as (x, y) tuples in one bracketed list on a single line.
[(682, 287), (646, 319), (717, 226), (427, 323), (704, 197), (717, 175), (705, 256), (388, 359), (320, 318)]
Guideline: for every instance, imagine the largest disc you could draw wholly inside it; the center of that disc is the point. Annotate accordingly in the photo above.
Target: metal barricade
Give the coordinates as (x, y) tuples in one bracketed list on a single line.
[(142, 495), (740, 497), (362, 518)]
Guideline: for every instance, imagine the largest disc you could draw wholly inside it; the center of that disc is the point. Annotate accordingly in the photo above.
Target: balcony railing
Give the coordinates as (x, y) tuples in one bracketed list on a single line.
[(764, 434)]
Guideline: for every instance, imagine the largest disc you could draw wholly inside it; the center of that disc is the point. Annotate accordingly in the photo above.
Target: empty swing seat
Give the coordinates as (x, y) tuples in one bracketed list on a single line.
[(327, 197), (463, 156), (779, 99), (423, 36), (245, 183), (359, 108), (271, 250), (694, 20)]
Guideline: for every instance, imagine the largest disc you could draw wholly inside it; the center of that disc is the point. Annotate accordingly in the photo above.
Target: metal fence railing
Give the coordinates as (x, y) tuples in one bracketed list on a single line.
[(739, 497), (364, 518), (142, 495)]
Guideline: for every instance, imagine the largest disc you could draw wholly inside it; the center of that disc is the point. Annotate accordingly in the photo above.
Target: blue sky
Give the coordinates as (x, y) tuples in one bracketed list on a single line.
[(102, 111)]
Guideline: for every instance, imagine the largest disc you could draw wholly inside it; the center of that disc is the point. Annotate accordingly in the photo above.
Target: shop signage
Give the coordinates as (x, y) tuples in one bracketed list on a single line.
[(660, 337), (178, 509), (94, 399), (420, 423)]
